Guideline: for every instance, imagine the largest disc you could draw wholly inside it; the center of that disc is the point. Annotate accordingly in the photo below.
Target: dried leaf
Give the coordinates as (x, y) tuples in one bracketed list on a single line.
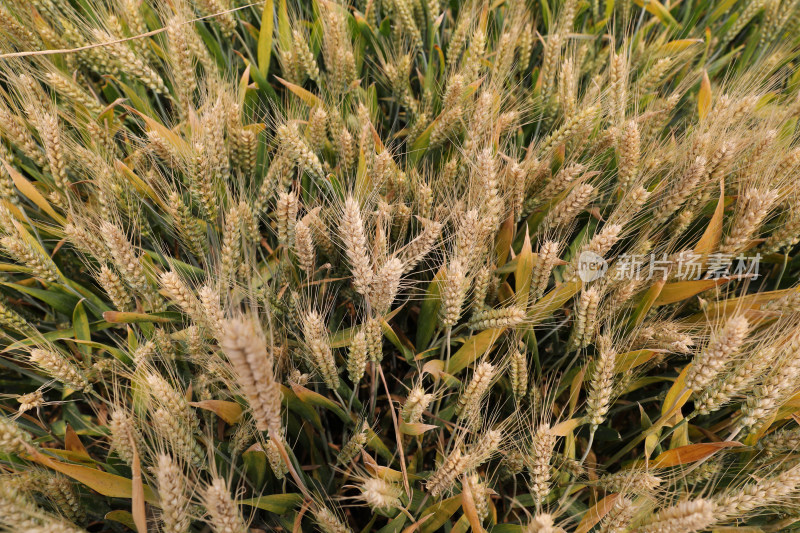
[(230, 412), (596, 513), (704, 96), (690, 453)]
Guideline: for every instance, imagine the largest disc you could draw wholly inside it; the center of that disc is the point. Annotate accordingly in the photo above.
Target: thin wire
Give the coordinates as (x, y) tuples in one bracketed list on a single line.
[(126, 39)]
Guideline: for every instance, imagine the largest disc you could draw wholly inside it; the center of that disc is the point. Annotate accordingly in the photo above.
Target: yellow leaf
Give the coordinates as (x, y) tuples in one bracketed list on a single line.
[(750, 301), (522, 275), (140, 185), (106, 484), (383, 472), (230, 412), (29, 191), (651, 441), (562, 428), (72, 443), (713, 233), (78, 457), (433, 367), (575, 390), (123, 517), (470, 511), (765, 425), (680, 436), (629, 360), (504, 238), (462, 526), (121, 317), (679, 45), (243, 81), (682, 290), (180, 146), (416, 428), (475, 346), (137, 497), (596, 513), (646, 302), (677, 396), (654, 7), (435, 516), (309, 98), (311, 397), (690, 453), (704, 97), (553, 300), (264, 46)]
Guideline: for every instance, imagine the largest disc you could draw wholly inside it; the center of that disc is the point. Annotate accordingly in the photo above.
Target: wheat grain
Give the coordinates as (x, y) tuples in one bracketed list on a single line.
[(685, 517), (223, 512), (172, 495), (469, 403), (717, 355), (58, 367), (316, 338), (246, 348)]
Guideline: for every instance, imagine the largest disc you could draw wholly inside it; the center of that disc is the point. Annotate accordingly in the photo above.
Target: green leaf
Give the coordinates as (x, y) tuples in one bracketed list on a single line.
[(547, 16), (61, 302), (394, 525), (265, 89), (292, 402), (390, 334), (141, 105), (68, 333), (310, 397), (255, 464), (106, 484), (475, 346), (646, 302), (275, 503), (284, 29), (80, 323), (116, 352), (265, 38), (119, 317), (522, 275), (440, 513), (421, 143), (428, 312), (123, 517), (96, 303)]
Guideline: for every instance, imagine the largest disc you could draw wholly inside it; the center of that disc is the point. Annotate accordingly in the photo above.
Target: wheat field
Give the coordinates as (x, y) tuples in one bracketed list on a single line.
[(508, 266)]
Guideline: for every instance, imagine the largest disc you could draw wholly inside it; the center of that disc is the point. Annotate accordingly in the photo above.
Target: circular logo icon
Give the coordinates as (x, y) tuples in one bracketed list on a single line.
[(591, 266)]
